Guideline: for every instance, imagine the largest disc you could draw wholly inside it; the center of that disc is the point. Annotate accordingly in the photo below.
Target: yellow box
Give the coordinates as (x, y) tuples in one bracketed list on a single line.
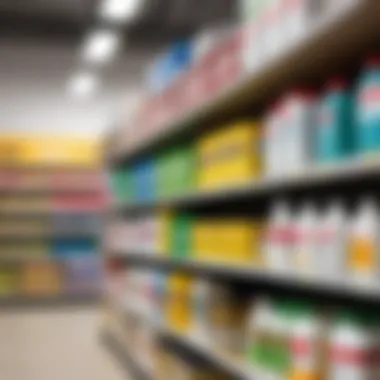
[(231, 156), (179, 303)]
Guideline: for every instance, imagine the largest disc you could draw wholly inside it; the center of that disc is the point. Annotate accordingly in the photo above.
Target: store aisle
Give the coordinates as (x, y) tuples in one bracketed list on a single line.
[(59, 345)]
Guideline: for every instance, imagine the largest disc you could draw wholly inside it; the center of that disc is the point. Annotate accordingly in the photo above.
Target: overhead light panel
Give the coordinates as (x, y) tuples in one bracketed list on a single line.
[(101, 46), (118, 11), (83, 85)]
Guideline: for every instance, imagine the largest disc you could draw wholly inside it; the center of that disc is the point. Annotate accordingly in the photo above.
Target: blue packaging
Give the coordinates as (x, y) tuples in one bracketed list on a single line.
[(335, 134), (368, 112), (165, 70), (74, 248), (144, 183)]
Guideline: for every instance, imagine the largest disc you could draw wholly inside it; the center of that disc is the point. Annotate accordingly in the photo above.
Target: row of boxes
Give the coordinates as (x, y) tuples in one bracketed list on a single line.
[(53, 248), (11, 179), (43, 278), (54, 203), (228, 157), (229, 240)]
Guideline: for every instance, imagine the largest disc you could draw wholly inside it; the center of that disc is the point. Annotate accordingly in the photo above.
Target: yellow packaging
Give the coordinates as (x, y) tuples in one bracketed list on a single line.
[(230, 157), (179, 303), (230, 241), (164, 232)]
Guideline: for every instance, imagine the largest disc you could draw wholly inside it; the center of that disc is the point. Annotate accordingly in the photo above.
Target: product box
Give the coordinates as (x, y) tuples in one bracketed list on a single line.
[(176, 171), (74, 248), (9, 281), (41, 278), (121, 184), (179, 303), (144, 181), (181, 237), (230, 157), (83, 275)]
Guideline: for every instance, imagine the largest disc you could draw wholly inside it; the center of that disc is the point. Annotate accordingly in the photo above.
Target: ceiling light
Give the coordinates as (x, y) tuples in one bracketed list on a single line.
[(119, 10), (83, 85), (101, 46)]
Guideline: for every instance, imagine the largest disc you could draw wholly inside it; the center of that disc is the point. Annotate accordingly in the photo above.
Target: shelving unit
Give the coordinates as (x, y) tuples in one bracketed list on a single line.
[(52, 199), (332, 44)]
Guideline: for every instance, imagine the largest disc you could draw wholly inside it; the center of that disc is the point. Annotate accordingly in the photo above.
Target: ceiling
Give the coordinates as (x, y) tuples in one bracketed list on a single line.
[(159, 21), (40, 42)]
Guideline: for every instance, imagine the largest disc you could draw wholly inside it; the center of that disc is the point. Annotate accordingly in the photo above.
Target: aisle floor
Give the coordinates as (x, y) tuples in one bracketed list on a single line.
[(54, 345)]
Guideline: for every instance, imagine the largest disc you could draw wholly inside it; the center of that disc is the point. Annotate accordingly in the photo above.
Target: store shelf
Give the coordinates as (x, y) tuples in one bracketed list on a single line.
[(234, 367), (322, 288), (123, 355), (39, 191), (333, 43), (20, 236), (63, 300), (339, 175)]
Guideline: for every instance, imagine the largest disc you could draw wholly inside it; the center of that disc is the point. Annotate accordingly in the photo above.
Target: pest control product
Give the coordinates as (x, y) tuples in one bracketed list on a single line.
[(368, 113), (332, 242), (364, 242), (334, 133), (306, 249), (280, 239)]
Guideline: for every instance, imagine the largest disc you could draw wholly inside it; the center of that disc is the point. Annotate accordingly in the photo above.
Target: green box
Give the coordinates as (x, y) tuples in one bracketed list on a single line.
[(176, 172), (181, 241)]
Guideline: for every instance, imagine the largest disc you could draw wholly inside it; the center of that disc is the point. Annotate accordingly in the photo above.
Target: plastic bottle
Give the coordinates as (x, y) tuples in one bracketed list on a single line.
[(308, 341), (354, 347), (368, 113), (334, 132), (299, 130), (364, 243), (280, 238), (306, 250), (332, 242)]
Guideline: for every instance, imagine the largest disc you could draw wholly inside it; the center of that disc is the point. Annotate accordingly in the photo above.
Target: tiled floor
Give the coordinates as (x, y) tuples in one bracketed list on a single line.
[(54, 345)]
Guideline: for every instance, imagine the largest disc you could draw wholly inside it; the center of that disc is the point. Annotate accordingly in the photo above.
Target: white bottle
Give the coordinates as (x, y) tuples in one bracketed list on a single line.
[(332, 243), (353, 349), (301, 107), (364, 243), (306, 249), (279, 242), (200, 300)]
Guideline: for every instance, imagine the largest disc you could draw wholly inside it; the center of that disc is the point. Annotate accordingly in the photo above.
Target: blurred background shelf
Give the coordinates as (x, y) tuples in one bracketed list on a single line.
[(55, 301)]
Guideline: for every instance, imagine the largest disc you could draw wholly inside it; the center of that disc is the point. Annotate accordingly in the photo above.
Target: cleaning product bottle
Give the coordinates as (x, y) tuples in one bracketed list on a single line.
[(334, 131), (307, 343), (332, 242), (368, 113), (305, 250), (364, 243), (354, 347), (279, 239)]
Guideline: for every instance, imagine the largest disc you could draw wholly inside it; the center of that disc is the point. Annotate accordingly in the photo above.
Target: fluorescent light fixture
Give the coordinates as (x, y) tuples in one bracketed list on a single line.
[(118, 11), (101, 46), (83, 85)]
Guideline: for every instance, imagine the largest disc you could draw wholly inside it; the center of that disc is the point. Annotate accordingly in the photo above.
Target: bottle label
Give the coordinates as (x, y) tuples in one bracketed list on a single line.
[(362, 255)]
